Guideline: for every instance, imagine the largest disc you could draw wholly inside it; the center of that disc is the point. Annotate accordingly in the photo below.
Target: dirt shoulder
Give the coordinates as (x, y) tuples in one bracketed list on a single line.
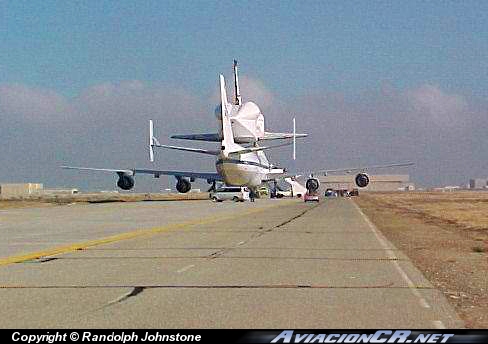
[(53, 200), (445, 236), (24, 204)]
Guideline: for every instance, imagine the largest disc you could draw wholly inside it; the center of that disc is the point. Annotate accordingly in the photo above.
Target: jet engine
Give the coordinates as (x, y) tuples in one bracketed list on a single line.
[(183, 185), (362, 180), (125, 182), (312, 185)]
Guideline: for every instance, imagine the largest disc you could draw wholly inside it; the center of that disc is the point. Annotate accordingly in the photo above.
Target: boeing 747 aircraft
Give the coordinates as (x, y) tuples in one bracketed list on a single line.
[(236, 164)]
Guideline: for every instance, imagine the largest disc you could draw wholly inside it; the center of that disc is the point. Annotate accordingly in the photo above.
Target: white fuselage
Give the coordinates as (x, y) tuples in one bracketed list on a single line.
[(249, 169), (247, 122), (238, 165)]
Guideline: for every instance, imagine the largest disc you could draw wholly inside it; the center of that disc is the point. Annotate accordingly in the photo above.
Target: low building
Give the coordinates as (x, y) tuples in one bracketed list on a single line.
[(50, 192), (19, 189), (477, 183), (448, 188), (385, 182)]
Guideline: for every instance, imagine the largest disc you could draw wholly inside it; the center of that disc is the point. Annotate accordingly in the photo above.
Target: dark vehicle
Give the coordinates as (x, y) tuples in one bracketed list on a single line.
[(354, 192)]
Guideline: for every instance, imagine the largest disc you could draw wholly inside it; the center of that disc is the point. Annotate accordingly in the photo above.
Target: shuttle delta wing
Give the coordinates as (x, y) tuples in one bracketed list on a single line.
[(280, 136)]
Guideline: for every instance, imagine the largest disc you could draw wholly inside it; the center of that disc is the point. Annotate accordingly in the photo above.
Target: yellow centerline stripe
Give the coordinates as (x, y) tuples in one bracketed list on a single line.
[(128, 235)]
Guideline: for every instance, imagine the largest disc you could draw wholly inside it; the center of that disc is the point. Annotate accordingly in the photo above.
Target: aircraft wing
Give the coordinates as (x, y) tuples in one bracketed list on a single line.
[(129, 172), (199, 137), (156, 173), (284, 174), (193, 175), (364, 168)]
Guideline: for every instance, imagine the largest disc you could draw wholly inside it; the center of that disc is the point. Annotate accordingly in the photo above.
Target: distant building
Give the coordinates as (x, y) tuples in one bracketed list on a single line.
[(32, 189), (53, 192), (385, 182), (477, 183), (19, 189), (448, 188)]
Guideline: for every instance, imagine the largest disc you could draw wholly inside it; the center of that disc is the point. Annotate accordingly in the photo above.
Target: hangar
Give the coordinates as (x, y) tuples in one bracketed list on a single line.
[(19, 189)]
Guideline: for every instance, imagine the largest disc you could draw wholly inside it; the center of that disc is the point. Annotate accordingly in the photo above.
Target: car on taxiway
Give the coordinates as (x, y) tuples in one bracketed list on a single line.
[(230, 193)]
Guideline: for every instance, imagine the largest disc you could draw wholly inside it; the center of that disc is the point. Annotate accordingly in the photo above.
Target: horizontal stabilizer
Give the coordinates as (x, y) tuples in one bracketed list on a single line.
[(257, 149), (278, 136), (187, 149), (199, 137)]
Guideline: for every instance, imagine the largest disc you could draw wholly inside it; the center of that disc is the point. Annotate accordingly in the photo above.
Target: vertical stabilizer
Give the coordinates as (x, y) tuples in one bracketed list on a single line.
[(294, 139), (151, 141), (238, 99), (228, 144)]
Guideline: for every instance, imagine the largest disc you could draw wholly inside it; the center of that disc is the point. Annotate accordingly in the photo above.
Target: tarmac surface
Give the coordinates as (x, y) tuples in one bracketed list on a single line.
[(198, 264)]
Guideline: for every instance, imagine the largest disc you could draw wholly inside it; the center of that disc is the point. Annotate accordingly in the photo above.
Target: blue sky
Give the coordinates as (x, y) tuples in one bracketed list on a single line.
[(408, 78), (349, 46)]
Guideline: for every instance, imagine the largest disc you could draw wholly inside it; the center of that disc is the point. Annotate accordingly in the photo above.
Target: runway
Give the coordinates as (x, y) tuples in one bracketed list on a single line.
[(268, 264)]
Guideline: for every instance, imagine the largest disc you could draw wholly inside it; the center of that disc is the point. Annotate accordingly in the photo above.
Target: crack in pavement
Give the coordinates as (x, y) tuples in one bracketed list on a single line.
[(134, 292), (217, 255), (138, 289), (258, 234), (296, 216), (242, 248), (38, 260)]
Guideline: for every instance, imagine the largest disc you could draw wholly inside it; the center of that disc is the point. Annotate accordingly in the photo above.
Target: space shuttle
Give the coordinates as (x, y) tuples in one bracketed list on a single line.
[(246, 119)]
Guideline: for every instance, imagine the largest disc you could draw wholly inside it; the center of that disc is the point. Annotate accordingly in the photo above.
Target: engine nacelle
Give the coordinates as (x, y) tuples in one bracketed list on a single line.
[(362, 180), (125, 182), (183, 185), (312, 185)]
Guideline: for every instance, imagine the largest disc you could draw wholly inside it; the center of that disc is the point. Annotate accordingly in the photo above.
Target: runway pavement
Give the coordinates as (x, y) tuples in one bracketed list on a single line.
[(268, 264)]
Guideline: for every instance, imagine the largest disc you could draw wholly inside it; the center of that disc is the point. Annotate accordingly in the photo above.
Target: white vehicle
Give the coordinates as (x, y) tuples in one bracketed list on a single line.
[(234, 193)]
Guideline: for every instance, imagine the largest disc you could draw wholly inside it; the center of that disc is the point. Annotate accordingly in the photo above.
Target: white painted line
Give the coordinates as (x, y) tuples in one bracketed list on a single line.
[(391, 254), (438, 324), (185, 268)]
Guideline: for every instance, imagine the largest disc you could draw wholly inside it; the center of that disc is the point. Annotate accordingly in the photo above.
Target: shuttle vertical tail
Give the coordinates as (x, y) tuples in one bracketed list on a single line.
[(228, 144), (238, 99)]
